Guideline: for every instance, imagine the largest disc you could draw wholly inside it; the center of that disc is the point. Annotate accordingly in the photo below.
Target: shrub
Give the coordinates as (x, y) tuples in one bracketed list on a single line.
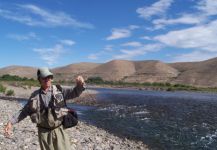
[(10, 93), (2, 88), (95, 80)]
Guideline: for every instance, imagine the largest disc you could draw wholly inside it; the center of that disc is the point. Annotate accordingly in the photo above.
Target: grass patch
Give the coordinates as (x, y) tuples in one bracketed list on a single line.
[(19, 81), (2, 89), (10, 93)]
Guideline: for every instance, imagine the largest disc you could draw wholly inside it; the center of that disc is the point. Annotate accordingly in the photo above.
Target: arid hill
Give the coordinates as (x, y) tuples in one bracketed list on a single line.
[(113, 71), (203, 73), (151, 71), (22, 71), (75, 68), (70, 71)]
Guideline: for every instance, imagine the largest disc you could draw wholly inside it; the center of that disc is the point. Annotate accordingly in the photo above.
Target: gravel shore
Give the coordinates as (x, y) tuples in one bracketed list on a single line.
[(83, 136)]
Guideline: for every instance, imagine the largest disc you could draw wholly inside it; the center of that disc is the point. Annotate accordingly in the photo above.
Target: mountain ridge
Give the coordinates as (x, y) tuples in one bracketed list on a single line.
[(202, 73)]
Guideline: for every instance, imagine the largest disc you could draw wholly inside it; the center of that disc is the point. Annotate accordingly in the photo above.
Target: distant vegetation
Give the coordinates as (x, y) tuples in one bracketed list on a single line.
[(19, 81), (152, 86), (27, 83), (2, 89), (8, 77)]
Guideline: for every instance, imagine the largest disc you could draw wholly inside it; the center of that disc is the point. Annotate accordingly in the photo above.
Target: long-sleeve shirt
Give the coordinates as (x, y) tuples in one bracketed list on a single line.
[(46, 97)]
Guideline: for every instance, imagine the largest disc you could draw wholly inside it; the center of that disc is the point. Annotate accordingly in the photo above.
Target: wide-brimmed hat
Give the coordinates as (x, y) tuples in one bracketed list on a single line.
[(44, 72)]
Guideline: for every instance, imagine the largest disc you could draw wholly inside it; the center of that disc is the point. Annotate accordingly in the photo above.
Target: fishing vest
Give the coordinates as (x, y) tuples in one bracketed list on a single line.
[(48, 117)]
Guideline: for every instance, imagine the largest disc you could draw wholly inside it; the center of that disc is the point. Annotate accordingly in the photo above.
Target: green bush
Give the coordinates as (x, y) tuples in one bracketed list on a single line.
[(2, 88), (10, 93), (95, 80), (8, 77)]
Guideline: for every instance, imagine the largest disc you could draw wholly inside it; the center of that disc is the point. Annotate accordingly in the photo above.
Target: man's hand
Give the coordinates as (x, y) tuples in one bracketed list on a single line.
[(7, 129), (80, 81)]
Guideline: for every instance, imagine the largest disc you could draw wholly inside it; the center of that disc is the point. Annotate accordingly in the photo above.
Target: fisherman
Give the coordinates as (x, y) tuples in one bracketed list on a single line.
[(45, 108)]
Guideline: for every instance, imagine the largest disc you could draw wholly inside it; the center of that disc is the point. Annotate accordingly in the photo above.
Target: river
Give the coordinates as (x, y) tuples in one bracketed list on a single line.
[(162, 120)]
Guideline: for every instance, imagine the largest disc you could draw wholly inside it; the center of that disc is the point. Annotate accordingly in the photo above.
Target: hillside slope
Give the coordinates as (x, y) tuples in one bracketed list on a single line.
[(203, 73)]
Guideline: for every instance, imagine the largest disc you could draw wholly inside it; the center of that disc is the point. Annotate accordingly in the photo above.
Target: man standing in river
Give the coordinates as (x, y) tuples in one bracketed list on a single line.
[(45, 108)]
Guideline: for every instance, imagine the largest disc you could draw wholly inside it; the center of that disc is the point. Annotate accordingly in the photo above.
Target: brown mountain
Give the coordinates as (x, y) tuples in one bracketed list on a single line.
[(70, 71), (152, 71), (113, 71), (22, 71), (203, 73)]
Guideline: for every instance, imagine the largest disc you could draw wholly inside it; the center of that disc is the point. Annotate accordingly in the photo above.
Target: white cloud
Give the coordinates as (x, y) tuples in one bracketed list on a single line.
[(209, 7), (50, 55), (200, 37), (33, 15), (157, 9), (19, 37), (204, 9), (132, 44), (128, 54), (108, 48), (67, 42), (146, 38), (119, 33), (132, 27), (199, 40), (190, 19)]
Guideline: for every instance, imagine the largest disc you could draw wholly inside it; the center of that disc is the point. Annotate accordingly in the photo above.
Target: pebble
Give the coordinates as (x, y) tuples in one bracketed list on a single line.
[(82, 137)]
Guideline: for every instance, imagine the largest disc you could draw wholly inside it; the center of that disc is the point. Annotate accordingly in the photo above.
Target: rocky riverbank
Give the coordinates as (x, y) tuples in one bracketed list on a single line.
[(83, 136)]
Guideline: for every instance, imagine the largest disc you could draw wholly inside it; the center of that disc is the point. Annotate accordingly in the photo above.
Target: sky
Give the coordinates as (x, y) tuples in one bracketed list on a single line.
[(55, 33)]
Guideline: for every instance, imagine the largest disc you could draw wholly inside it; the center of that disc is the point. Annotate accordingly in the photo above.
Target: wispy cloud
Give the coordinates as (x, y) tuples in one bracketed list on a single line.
[(204, 9), (142, 50), (209, 7), (146, 38), (50, 55), (67, 42), (108, 49), (23, 37), (118, 33), (157, 9), (33, 15), (190, 19), (132, 44), (200, 37)]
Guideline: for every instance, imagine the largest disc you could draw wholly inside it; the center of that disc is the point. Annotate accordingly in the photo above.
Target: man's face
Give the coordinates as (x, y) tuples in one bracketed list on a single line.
[(46, 82)]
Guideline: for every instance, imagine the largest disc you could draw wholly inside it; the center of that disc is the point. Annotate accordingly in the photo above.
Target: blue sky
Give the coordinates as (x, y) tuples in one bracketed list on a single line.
[(55, 33)]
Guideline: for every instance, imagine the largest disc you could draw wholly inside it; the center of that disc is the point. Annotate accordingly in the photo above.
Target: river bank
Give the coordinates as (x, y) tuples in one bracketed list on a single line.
[(82, 137)]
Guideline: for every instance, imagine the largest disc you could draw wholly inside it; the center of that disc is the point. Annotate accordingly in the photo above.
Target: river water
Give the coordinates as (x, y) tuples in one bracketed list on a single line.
[(162, 120)]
